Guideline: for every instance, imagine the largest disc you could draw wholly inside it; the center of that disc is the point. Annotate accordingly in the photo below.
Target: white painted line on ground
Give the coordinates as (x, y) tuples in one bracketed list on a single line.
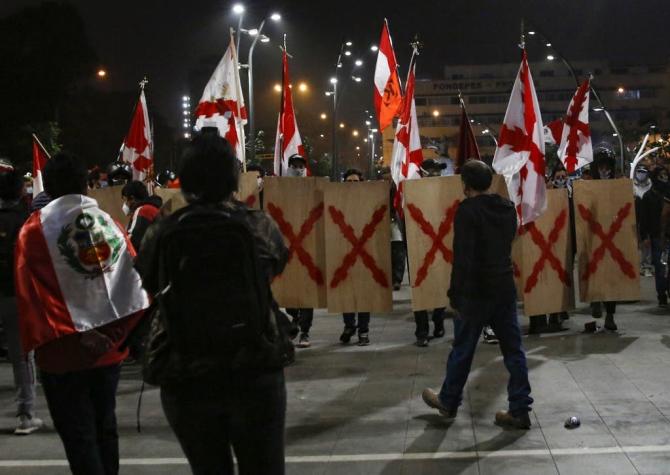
[(453, 455)]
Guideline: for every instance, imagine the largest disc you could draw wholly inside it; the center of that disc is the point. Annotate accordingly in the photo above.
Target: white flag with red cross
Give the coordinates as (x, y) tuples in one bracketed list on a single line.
[(222, 102), (407, 155), (520, 153), (138, 146), (576, 149)]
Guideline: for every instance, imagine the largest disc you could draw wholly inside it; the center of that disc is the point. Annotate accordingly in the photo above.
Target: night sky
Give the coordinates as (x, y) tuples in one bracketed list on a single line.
[(166, 40)]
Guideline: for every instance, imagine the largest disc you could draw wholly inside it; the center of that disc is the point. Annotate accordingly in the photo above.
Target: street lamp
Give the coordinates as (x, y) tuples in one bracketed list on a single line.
[(323, 116), (250, 67), (102, 74)]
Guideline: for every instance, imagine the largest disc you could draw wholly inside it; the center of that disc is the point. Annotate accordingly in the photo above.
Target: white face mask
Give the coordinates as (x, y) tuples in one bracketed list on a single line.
[(259, 182), (126, 209), (641, 177), (296, 171), (560, 182), (29, 190)]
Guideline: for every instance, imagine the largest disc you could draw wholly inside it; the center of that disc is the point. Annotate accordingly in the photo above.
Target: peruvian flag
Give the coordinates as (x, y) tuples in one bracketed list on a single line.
[(222, 103), (520, 153), (407, 155), (74, 271), (40, 157), (288, 140), (387, 95), (138, 145), (467, 144), (575, 149)]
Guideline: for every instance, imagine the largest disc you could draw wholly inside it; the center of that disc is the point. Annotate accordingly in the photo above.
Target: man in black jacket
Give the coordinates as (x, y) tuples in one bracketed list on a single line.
[(649, 218), (482, 292)]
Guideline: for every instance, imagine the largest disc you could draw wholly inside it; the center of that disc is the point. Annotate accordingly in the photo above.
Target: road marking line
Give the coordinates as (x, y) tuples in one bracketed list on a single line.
[(453, 455)]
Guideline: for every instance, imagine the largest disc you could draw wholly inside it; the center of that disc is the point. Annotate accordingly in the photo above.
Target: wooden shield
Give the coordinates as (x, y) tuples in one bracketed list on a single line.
[(609, 263), (172, 199), (248, 191), (358, 247), (546, 259), (296, 205), (430, 207), (110, 201)]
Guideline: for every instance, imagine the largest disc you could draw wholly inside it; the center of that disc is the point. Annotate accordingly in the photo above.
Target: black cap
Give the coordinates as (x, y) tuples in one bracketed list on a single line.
[(296, 159), (431, 164)]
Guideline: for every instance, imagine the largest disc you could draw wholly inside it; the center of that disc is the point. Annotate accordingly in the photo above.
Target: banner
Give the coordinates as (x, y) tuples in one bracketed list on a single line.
[(296, 204), (358, 248), (248, 191), (609, 263), (545, 281)]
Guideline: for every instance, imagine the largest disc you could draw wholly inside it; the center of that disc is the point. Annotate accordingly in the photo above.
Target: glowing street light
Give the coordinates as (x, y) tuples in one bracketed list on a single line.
[(275, 17), (355, 133), (347, 53), (348, 43), (341, 125), (253, 32), (333, 80), (436, 113), (620, 90), (238, 9), (302, 87), (374, 48), (323, 116), (277, 87), (358, 62), (102, 73), (550, 57), (531, 33)]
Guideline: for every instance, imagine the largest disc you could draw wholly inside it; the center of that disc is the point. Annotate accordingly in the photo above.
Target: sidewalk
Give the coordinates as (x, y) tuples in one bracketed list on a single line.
[(358, 410)]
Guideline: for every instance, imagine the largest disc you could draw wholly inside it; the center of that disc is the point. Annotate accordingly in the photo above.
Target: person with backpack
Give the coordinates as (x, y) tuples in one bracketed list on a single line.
[(13, 213), (142, 209), (215, 347)]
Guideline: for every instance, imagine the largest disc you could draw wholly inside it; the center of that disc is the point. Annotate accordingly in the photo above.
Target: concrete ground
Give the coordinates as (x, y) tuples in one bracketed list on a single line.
[(358, 410)]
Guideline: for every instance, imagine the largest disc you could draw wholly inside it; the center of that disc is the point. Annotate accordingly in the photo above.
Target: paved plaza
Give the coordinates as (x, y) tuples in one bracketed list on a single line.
[(358, 410)]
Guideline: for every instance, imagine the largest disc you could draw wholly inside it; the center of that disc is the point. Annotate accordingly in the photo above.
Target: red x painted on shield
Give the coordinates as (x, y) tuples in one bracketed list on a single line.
[(358, 247), (296, 241), (437, 238), (607, 242), (547, 252), (250, 201)]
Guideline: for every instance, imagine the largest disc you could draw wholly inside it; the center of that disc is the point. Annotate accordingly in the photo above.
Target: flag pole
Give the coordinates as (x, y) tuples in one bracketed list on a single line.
[(281, 113), (42, 146), (238, 119)]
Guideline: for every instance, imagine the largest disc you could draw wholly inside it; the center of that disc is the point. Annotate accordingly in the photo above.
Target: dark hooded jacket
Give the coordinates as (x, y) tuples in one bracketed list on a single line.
[(141, 218), (484, 229)]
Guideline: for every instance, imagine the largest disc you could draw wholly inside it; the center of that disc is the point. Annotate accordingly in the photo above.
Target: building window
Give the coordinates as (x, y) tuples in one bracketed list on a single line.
[(630, 94)]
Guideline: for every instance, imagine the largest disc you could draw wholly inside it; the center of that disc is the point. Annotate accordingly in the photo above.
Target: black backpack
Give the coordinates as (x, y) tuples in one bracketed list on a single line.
[(216, 301), (11, 220)]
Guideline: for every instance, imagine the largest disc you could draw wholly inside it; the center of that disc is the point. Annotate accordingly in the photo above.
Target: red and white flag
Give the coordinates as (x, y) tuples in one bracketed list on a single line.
[(288, 140), (138, 149), (553, 131), (387, 94), (222, 102), (74, 271), (407, 154), (40, 157), (520, 153), (575, 149)]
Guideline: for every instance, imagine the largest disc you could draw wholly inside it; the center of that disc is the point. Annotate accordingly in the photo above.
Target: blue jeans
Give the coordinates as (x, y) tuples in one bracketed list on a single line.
[(660, 270), (503, 320)]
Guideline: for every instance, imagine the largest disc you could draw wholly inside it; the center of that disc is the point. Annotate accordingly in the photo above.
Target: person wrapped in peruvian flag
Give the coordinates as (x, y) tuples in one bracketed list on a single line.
[(78, 297)]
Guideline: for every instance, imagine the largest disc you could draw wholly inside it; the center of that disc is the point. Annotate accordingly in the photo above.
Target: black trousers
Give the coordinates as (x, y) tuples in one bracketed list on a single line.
[(421, 320), (245, 410), (363, 325), (82, 405), (303, 316), (398, 258)]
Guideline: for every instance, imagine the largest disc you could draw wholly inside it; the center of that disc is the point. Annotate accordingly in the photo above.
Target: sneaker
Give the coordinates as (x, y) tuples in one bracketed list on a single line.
[(422, 341), (609, 323), (439, 331), (346, 335), (431, 399), (303, 342), (663, 300), (363, 339), (507, 420), (26, 425), (489, 336)]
